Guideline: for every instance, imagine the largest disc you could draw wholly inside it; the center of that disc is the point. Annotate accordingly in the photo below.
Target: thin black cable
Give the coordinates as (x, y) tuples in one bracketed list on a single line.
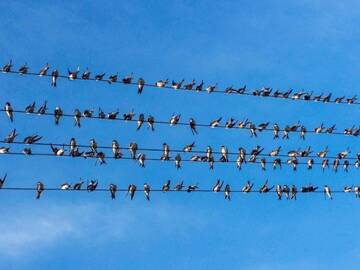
[(183, 88), (193, 151), (162, 122)]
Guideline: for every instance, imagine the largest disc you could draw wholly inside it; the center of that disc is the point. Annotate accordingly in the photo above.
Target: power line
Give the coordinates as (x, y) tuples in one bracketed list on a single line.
[(253, 128), (264, 92)]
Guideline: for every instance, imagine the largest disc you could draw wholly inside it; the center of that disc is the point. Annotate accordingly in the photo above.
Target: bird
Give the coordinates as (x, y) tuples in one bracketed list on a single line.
[(275, 152), (77, 116), (174, 119), (166, 186), (133, 148), (140, 121), (324, 164), (336, 164), (11, 136), (199, 87), (327, 192), (265, 188), (78, 185), (116, 149), (242, 90), (57, 151), (189, 147), (215, 123), (319, 129), (99, 77), (161, 83), (286, 191), (252, 128), (101, 114), (86, 74), (247, 188), (279, 191), (147, 191), (310, 163), (151, 122), (192, 188), (44, 70), (57, 114), (323, 153), (2, 181), (178, 161), (230, 123), (357, 191), (192, 124), (9, 111), (263, 126), (140, 85), (244, 123), (54, 76), (112, 78), (93, 145), (218, 185), (72, 75), (100, 158), (141, 158), (128, 79), (113, 189), (302, 132), (227, 192), (211, 88), (263, 164), (32, 139), (39, 189), (166, 152), (179, 186), (65, 186), (7, 67), (42, 109), (88, 113), (112, 115), (293, 192), (276, 130), (348, 189), (23, 69), (277, 163), (91, 185), (4, 150), (177, 85), (190, 85), (30, 108), (224, 154), (26, 151), (131, 190)]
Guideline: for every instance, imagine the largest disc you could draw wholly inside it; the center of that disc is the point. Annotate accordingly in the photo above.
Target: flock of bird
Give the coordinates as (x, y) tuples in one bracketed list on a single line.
[(174, 120), (177, 85), (255, 155), (288, 191)]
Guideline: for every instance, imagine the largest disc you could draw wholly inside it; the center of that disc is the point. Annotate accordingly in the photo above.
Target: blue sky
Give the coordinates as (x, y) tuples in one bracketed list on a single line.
[(303, 44)]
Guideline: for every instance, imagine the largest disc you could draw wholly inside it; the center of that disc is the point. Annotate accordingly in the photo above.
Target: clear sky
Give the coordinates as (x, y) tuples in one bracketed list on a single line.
[(303, 44)]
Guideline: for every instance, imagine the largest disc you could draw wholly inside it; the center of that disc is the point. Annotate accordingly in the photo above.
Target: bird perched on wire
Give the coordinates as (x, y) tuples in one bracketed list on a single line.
[(192, 188), (147, 190), (279, 191), (161, 83), (116, 149), (32, 139), (54, 76), (227, 192), (112, 78), (140, 121), (218, 185), (4, 150), (57, 151), (211, 88), (72, 75), (188, 148), (86, 74), (99, 77), (133, 147), (77, 117), (215, 123), (166, 186), (92, 185), (140, 85), (327, 192), (293, 191), (128, 79), (265, 188), (57, 114), (174, 119), (42, 110), (179, 186), (131, 191), (166, 152), (39, 189), (178, 161), (9, 111), (65, 186), (11, 136), (30, 108), (113, 189), (78, 185), (248, 186), (44, 70), (7, 67), (177, 85), (141, 158), (2, 181), (151, 122), (192, 124), (224, 154), (24, 69)]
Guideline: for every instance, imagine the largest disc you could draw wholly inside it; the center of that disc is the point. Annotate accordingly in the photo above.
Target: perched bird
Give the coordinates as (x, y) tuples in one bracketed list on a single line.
[(310, 163), (327, 192), (7, 67), (133, 148), (215, 123), (224, 154), (323, 153), (177, 85), (199, 87), (263, 164), (23, 69), (325, 164), (190, 85), (147, 191), (151, 122), (112, 115), (9, 111), (2, 181), (77, 116), (141, 158), (227, 192), (39, 189), (166, 186), (78, 185), (347, 189), (131, 190), (357, 191), (91, 185), (72, 75), (302, 132), (211, 88), (57, 114), (42, 109), (178, 161), (253, 129), (244, 123), (319, 129), (192, 188), (27, 151), (230, 123), (54, 76), (11, 136), (279, 191), (101, 114), (116, 149), (32, 139), (44, 70), (140, 85), (277, 163), (86, 74), (57, 151), (248, 186), (73, 148), (93, 145), (179, 186), (166, 152), (100, 158), (65, 186), (113, 189), (189, 147), (276, 131), (265, 188), (88, 113), (128, 79), (286, 191), (99, 77), (336, 164), (113, 78), (140, 121), (218, 185), (161, 83), (263, 126), (192, 124), (293, 192), (4, 150), (275, 152), (30, 108), (174, 119)]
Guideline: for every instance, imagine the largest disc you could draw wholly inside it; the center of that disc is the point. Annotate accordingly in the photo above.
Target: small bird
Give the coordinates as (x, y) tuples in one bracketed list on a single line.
[(92, 185), (26, 151), (77, 117), (177, 85), (276, 131), (32, 139), (211, 88), (178, 161), (113, 189), (57, 151), (7, 67), (302, 132), (244, 123), (2, 181), (253, 129), (11, 136), (179, 186), (263, 164), (86, 74), (319, 129), (325, 164), (72, 75), (279, 191), (275, 152), (174, 119), (327, 192), (161, 83), (199, 87), (265, 188), (44, 70), (9, 111), (192, 188), (263, 126), (116, 149), (215, 123), (78, 185), (310, 163), (88, 113), (101, 114), (230, 123), (151, 122), (128, 79), (293, 192), (190, 85), (133, 148), (54, 76), (346, 165), (336, 164), (99, 77), (166, 186), (218, 185), (192, 124), (39, 189), (100, 158), (112, 115), (140, 121), (276, 163), (131, 190), (357, 191), (347, 189), (23, 69), (166, 152), (224, 154), (113, 78), (65, 186), (147, 191), (57, 114), (4, 150), (42, 109), (323, 153), (30, 108), (227, 192), (286, 191), (141, 158), (189, 147), (248, 186), (242, 90), (140, 85), (93, 145)]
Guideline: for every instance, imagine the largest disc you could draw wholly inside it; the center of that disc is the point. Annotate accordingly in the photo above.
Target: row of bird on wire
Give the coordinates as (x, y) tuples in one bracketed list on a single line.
[(178, 85), (207, 155), (290, 192), (174, 120)]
